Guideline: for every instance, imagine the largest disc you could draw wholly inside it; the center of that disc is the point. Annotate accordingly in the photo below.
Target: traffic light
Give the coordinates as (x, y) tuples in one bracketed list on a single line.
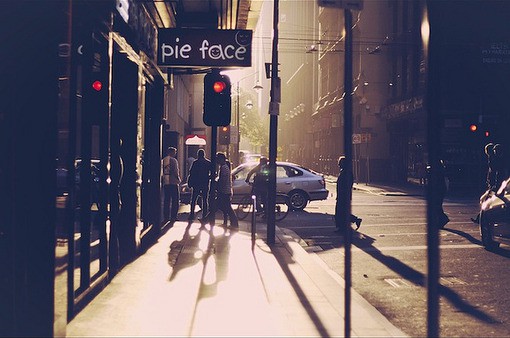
[(217, 100), (224, 135)]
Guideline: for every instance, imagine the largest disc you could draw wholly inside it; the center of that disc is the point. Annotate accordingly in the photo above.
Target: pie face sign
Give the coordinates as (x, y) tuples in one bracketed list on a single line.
[(186, 47)]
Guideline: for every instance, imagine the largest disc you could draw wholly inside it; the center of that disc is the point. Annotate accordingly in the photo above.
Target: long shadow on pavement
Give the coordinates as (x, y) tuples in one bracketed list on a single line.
[(284, 264), (418, 278)]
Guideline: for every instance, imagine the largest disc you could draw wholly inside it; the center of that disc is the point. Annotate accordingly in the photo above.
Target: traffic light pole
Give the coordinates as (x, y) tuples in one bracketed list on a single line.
[(212, 185)]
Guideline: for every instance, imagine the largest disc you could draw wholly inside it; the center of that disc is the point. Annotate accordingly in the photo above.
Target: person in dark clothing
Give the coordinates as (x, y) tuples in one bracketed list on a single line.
[(489, 152), (224, 194), (498, 166), (496, 173), (343, 192), (260, 175), (198, 180), (171, 180), (439, 217)]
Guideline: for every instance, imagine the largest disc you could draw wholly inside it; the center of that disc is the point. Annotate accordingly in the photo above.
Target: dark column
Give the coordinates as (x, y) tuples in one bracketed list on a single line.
[(30, 35)]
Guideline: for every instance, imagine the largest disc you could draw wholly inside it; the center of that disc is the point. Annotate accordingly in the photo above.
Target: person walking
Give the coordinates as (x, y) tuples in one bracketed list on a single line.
[(489, 152), (343, 192), (223, 193), (490, 179), (498, 166), (171, 180), (198, 181)]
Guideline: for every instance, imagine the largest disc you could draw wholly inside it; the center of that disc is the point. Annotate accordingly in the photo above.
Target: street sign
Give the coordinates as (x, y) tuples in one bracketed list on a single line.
[(189, 47), (356, 5)]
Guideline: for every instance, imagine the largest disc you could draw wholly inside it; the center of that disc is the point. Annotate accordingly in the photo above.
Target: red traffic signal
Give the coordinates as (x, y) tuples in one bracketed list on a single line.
[(217, 100), (219, 86), (224, 135), (473, 127), (97, 85)]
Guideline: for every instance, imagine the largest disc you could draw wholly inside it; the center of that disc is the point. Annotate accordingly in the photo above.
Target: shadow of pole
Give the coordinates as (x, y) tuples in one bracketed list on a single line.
[(419, 278), (299, 291)]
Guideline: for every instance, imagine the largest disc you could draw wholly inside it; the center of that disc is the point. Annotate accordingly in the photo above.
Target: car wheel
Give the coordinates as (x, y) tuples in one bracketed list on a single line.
[(486, 232), (297, 200)]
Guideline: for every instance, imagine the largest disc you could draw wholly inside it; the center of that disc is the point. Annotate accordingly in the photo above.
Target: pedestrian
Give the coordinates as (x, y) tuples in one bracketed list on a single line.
[(499, 166), (171, 180), (439, 217), (343, 193), (489, 152), (198, 181), (223, 193), (260, 182), (490, 179)]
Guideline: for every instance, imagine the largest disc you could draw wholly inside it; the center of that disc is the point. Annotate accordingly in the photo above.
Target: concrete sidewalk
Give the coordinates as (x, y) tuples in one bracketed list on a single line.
[(203, 281)]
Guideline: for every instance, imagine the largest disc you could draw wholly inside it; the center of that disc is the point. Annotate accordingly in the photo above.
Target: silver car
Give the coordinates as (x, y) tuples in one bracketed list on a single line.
[(494, 217), (300, 184)]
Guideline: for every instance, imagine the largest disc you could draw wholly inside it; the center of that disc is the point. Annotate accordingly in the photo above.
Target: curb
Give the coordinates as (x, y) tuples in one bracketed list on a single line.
[(375, 315)]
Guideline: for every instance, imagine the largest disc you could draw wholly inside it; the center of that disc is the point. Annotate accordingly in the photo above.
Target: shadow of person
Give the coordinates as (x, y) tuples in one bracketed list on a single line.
[(178, 257)]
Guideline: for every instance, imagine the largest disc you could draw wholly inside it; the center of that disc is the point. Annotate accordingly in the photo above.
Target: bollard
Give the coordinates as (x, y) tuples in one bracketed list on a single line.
[(253, 217)]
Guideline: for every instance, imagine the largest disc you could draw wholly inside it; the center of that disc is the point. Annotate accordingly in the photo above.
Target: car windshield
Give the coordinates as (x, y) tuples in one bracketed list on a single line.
[(309, 170), (242, 170)]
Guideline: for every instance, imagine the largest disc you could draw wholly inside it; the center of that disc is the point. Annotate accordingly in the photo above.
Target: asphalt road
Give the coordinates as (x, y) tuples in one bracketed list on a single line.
[(389, 263)]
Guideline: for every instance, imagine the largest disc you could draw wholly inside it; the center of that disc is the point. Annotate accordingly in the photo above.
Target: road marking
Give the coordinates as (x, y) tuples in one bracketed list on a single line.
[(402, 283), (364, 225), (451, 281), (415, 247), (398, 282)]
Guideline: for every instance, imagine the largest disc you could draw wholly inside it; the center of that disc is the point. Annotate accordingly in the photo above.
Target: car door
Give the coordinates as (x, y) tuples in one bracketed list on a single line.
[(287, 178)]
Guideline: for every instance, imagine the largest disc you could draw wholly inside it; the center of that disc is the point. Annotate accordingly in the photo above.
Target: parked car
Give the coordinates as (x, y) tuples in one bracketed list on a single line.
[(302, 185), (494, 218)]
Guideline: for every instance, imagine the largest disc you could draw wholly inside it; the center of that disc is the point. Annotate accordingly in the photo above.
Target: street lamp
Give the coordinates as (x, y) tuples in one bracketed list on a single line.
[(249, 105)]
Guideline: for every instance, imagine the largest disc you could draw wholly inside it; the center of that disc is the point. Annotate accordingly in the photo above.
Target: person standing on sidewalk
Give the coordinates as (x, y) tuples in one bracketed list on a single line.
[(224, 193), (171, 180), (198, 180), (343, 191), (260, 182), (440, 218)]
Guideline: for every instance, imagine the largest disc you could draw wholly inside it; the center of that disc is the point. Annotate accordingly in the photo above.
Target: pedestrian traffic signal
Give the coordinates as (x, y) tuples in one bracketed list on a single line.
[(97, 85), (217, 100), (224, 135)]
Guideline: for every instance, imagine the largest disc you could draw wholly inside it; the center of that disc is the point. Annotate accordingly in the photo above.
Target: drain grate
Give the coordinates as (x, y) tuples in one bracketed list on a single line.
[(313, 248)]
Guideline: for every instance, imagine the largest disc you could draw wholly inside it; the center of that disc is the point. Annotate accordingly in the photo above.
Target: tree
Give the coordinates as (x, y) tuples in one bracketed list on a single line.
[(252, 126)]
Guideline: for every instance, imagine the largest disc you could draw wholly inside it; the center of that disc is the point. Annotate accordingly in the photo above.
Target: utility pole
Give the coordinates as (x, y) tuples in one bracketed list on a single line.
[(348, 168), (274, 111)]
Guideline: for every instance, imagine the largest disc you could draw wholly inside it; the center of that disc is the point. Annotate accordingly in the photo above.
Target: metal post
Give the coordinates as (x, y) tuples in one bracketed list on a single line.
[(238, 124), (348, 168), (432, 47), (253, 217), (212, 194), (274, 107)]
